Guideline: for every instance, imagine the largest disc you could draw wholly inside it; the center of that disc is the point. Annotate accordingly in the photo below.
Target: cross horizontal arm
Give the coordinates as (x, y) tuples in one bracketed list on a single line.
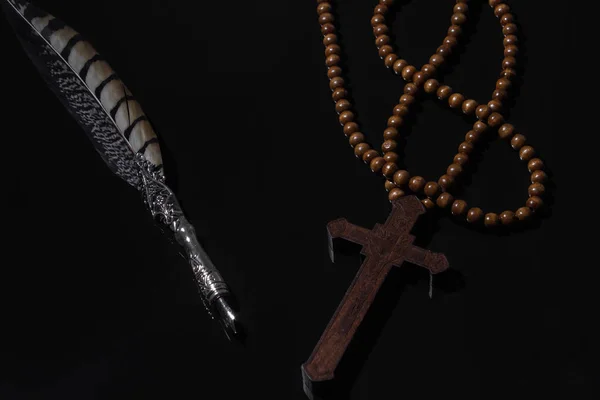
[(434, 262), (342, 229)]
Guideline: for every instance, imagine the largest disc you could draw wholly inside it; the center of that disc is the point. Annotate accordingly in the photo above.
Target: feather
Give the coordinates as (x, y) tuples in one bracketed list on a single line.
[(89, 89)]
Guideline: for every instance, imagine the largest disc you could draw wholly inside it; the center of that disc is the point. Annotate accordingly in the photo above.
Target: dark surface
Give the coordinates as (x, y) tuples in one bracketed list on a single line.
[(96, 304)]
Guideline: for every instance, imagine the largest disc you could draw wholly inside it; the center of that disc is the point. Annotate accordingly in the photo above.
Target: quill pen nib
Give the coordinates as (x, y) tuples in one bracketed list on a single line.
[(226, 317)]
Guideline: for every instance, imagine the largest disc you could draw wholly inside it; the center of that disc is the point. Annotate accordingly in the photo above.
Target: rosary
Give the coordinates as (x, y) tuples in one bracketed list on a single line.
[(390, 244)]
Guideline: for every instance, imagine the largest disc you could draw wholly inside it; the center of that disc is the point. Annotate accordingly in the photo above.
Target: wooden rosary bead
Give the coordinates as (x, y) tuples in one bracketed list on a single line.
[(491, 220), (390, 60), (526, 153), (350, 128), (333, 72), (479, 127), (536, 189), (369, 156), (539, 177), (333, 49), (503, 84), (465, 147), (387, 2), (494, 3), (501, 9), (419, 78), (436, 60), (389, 169), (511, 51), (445, 182), (407, 99), (500, 94), (386, 50), (326, 18), (345, 117), (458, 18), (495, 119), (506, 131), (337, 82), (469, 106), (454, 170), (509, 62), (535, 164), (518, 141), (456, 100), (401, 177), (459, 207), (377, 20), (401, 110), (523, 213), (389, 145), (394, 121), (382, 40), (482, 112), (389, 185), (332, 60), (444, 200), (535, 203), (508, 73), (507, 217), (390, 156), (461, 159), (377, 164), (342, 105), (474, 215), (431, 86), (399, 66), (431, 189), (395, 194), (450, 41), (411, 88), (416, 184), (444, 92), (361, 149), (324, 8), (339, 93), (428, 203), (356, 138), (472, 136), (380, 29), (461, 7), (507, 19), (330, 39), (494, 105), (454, 30), (390, 133), (444, 50), (381, 9), (408, 72), (510, 39), (327, 29)]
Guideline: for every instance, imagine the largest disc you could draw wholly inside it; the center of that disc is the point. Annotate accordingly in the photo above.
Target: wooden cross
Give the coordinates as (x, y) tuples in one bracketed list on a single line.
[(385, 246)]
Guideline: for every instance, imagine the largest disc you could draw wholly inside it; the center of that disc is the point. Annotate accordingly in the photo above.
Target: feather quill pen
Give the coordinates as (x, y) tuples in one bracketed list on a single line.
[(119, 130)]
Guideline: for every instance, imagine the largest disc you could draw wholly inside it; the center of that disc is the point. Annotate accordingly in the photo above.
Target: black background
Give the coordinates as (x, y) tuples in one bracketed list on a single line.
[(97, 304)]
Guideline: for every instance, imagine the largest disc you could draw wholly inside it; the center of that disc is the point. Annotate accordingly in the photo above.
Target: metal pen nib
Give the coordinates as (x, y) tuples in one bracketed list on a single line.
[(226, 317)]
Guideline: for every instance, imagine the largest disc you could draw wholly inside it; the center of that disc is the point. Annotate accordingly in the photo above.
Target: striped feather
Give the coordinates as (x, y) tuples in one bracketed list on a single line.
[(89, 88)]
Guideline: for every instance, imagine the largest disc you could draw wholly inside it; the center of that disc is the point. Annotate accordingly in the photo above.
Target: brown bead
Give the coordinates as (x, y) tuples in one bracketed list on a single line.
[(431, 86), (474, 215), (511, 51), (461, 159), (444, 92), (507, 217), (469, 106), (503, 84), (419, 78), (506, 131), (456, 100), (369, 156), (408, 72), (458, 18), (459, 207), (507, 19), (445, 200), (330, 39), (411, 88), (450, 41), (377, 164), (445, 50), (482, 111), (395, 194), (382, 40), (356, 138), (350, 128), (401, 110), (326, 29), (387, 2), (333, 72), (332, 60), (508, 73), (500, 94), (509, 29), (428, 203), (431, 189), (454, 30), (401, 177), (406, 99), (495, 105), (385, 50), (399, 66), (417, 183), (332, 49), (380, 29), (501, 9), (479, 127), (495, 119), (518, 141), (526, 153), (390, 156), (389, 145), (339, 93), (361, 149), (535, 164), (326, 18), (381, 9), (523, 213), (510, 39), (445, 182), (491, 219), (336, 82), (389, 169), (539, 177), (390, 60), (465, 147), (377, 20), (345, 117), (324, 8), (494, 3), (461, 7), (342, 105), (389, 185), (390, 133), (454, 170), (472, 136), (536, 189), (436, 60), (535, 202), (509, 62), (394, 121)]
